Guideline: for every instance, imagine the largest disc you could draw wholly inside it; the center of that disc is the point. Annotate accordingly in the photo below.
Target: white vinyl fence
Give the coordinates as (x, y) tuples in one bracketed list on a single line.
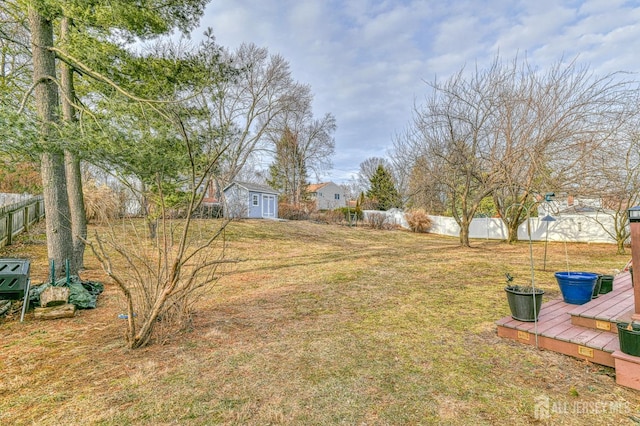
[(570, 228)]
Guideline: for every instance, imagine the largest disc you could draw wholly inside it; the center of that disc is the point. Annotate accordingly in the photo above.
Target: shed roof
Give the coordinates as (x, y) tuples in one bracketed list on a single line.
[(253, 187)]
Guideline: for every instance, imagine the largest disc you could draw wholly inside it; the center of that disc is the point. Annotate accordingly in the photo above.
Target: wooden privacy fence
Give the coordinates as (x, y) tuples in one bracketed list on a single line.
[(18, 217)]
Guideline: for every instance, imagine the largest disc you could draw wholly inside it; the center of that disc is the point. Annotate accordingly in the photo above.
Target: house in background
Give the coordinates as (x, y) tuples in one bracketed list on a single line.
[(211, 205), (568, 204), (211, 194), (250, 200), (327, 196)]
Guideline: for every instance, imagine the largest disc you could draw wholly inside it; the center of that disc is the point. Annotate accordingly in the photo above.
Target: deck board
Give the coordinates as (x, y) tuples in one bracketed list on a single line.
[(603, 340), (605, 302), (601, 308), (558, 329), (615, 312), (612, 346), (557, 332), (572, 334)]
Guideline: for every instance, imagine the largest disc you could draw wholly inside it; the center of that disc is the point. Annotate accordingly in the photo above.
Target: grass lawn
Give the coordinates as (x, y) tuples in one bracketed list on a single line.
[(320, 324)]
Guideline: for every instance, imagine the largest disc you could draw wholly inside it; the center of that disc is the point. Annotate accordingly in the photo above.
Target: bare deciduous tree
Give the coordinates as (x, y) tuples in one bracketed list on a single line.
[(511, 132), (302, 145), (419, 188), (248, 105), (616, 170), (453, 129), (548, 124)]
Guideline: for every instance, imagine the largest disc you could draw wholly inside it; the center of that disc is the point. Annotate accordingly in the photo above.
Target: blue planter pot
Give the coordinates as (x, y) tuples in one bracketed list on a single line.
[(576, 287)]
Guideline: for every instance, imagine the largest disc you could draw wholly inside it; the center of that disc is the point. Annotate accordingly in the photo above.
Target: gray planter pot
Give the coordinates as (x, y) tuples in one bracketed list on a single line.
[(524, 304)]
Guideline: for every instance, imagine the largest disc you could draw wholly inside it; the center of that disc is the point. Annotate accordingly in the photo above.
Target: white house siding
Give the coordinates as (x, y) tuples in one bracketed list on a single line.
[(330, 196)]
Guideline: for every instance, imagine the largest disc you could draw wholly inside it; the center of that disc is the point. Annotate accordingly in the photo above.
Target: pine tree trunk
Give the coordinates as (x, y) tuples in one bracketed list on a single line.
[(54, 184), (72, 164), (78, 212)]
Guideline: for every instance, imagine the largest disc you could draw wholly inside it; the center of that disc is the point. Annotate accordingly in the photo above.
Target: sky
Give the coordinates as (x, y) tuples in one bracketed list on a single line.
[(368, 61)]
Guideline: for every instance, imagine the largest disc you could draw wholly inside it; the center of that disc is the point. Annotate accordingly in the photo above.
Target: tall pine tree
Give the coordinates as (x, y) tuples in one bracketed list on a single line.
[(383, 191)]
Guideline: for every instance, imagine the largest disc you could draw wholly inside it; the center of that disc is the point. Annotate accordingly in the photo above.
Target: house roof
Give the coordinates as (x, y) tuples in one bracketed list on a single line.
[(578, 210), (253, 187), (317, 186)]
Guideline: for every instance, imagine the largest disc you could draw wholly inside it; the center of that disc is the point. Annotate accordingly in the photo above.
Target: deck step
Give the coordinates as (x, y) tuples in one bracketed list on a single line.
[(608, 309), (627, 370), (586, 332), (576, 341)]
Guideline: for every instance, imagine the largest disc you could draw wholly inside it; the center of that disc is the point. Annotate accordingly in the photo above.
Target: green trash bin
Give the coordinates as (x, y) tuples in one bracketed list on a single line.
[(629, 339)]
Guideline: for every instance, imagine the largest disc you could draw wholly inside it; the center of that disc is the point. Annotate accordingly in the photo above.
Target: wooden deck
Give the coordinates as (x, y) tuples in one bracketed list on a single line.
[(584, 331)]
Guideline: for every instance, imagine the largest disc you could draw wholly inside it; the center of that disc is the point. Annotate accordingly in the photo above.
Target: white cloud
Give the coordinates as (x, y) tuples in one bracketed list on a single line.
[(366, 60)]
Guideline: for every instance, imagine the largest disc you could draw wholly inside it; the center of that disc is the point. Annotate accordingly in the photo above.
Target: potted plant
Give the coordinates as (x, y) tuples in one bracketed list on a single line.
[(629, 337), (524, 301)]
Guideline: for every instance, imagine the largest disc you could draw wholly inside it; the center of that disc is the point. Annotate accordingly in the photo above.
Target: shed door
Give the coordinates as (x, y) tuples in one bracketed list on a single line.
[(268, 205)]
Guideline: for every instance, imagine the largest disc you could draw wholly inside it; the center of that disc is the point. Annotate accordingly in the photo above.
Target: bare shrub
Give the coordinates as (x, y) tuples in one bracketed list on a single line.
[(177, 314), (292, 212), (378, 221), (161, 278), (101, 202), (328, 216), (418, 220), (335, 216)]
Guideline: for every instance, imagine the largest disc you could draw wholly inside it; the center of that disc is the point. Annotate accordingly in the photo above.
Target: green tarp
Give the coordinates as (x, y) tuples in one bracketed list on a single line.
[(83, 294)]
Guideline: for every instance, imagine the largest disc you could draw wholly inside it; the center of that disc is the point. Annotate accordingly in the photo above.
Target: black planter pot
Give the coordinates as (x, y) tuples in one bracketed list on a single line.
[(629, 339), (596, 289), (606, 284), (524, 305)]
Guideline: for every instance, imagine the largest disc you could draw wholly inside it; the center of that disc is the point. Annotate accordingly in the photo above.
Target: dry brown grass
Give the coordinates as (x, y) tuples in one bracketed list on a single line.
[(418, 220), (101, 202), (320, 324)]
